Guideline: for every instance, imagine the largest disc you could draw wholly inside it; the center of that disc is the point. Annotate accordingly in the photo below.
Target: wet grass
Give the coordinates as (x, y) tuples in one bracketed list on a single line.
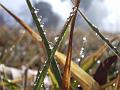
[(39, 54)]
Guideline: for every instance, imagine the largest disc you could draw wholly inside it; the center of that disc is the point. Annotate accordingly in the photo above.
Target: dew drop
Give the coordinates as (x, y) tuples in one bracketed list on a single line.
[(34, 84), (96, 34), (44, 33), (114, 84), (11, 49), (40, 71), (41, 85), (74, 9), (78, 59), (98, 62), (42, 25), (106, 38), (84, 39), (45, 62), (68, 19), (81, 52), (56, 38), (75, 81), (82, 48), (51, 45), (39, 19), (72, 13), (9, 81), (82, 56), (78, 85), (117, 71), (36, 11)]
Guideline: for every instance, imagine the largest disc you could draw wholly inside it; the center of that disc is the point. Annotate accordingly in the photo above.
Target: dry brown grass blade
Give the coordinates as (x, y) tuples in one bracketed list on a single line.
[(67, 71), (84, 79), (108, 84), (34, 35), (88, 61)]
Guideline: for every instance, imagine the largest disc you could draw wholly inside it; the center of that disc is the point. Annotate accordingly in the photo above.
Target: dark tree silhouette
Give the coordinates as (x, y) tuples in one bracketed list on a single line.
[(49, 18)]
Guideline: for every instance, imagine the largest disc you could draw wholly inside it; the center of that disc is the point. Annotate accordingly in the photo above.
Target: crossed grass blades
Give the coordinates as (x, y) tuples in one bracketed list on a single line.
[(79, 74)]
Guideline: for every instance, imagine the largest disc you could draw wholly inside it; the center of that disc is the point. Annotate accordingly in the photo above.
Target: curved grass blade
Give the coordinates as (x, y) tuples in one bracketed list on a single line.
[(96, 30), (22, 23), (37, 38)]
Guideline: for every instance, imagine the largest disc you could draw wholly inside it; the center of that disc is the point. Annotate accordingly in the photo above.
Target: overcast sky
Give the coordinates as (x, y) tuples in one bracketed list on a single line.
[(107, 11)]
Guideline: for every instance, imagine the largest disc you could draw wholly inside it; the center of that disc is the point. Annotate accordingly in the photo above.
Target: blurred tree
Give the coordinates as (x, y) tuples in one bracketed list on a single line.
[(49, 18), (85, 4)]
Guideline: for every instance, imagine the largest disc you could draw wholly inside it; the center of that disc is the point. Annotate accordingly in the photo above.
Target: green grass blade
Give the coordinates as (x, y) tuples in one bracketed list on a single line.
[(46, 43), (36, 37), (39, 26), (96, 30), (50, 53)]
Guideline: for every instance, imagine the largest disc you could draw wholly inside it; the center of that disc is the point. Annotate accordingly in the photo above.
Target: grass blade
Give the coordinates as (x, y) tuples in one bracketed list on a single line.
[(104, 68), (96, 30), (84, 79), (37, 38), (46, 43), (67, 72), (22, 23), (90, 60)]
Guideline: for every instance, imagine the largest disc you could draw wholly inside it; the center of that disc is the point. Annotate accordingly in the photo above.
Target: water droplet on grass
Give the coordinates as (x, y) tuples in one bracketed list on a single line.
[(98, 61), (96, 34), (39, 19), (42, 25), (75, 81), (56, 38), (78, 59), (78, 85), (51, 45), (114, 84), (84, 39), (82, 56)]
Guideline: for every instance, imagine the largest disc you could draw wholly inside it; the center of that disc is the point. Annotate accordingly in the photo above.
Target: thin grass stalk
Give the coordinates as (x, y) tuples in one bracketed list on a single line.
[(96, 30), (25, 79), (46, 43), (22, 23), (54, 82), (67, 70), (35, 36)]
